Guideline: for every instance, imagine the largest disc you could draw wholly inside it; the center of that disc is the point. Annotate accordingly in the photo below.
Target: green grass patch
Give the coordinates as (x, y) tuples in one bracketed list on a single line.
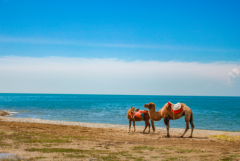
[(55, 150), (165, 153), (74, 156), (64, 150), (75, 137), (226, 159), (26, 134), (35, 138), (171, 159), (139, 158), (144, 148), (2, 144), (31, 137), (234, 156), (112, 156), (109, 157), (36, 158), (11, 159), (47, 141), (131, 157), (188, 151), (166, 148), (124, 153)]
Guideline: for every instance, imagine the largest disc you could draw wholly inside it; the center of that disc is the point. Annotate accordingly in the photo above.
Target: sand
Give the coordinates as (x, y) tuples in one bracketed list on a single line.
[(35, 139)]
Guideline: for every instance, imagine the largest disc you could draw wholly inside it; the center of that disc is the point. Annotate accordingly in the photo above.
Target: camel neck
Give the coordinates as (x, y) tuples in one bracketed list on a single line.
[(155, 116)]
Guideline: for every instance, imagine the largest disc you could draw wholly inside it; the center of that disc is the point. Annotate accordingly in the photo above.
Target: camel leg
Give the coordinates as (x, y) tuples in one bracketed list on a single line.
[(187, 127), (145, 126), (148, 126), (146, 122), (166, 121), (153, 127), (134, 125), (192, 125), (129, 125)]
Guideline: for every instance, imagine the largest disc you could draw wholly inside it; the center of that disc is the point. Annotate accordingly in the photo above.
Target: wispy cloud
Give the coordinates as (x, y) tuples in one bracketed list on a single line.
[(234, 73), (112, 45), (114, 76)]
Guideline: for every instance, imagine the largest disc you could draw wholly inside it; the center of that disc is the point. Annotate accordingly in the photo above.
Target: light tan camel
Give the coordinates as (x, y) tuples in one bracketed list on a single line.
[(131, 118), (167, 114)]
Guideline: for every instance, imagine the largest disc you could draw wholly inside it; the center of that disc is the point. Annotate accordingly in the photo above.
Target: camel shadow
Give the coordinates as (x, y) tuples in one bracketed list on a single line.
[(145, 133), (178, 137)]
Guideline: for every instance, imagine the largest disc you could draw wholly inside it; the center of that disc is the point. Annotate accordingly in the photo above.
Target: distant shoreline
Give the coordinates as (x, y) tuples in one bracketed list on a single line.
[(117, 126)]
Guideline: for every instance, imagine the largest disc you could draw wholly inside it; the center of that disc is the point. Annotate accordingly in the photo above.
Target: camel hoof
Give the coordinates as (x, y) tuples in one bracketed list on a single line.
[(181, 136), (167, 136), (190, 136)]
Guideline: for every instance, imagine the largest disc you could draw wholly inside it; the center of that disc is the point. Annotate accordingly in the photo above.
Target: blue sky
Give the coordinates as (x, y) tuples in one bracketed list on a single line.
[(118, 34)]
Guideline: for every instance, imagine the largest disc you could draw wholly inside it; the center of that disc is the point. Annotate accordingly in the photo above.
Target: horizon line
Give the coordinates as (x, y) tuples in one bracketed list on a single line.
[(123, 94)]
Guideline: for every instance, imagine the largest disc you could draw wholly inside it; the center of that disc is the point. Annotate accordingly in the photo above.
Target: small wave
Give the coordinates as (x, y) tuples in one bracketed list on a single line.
[(11, 113)]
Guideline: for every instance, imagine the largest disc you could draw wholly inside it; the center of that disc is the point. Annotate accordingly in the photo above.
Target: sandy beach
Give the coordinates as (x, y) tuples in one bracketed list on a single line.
[(35, 139)]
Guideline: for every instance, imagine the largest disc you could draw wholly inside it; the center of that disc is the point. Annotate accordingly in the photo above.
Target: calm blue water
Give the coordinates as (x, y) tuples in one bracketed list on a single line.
[(211, 113)]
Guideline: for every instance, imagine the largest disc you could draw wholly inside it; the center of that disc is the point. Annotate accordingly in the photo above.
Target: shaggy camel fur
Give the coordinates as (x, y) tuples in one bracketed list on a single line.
[(131, 118), (167, 114)]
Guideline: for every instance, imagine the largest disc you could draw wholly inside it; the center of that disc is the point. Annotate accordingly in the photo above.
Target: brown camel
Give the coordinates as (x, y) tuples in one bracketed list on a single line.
[(130, 114), (167, 114)]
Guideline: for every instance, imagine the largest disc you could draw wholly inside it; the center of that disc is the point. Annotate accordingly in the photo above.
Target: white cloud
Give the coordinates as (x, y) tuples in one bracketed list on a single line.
[(231, 74), (113, 76), (234, 73)]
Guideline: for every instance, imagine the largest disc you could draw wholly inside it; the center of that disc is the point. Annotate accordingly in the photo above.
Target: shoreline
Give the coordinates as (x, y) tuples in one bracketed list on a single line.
[(115, 126)]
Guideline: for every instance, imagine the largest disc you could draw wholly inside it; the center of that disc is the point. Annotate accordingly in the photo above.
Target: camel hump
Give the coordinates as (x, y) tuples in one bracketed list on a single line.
[(176, 106)]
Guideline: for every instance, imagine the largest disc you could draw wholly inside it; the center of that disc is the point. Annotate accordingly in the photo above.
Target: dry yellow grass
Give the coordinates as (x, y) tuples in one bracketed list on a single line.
[(226, 137)]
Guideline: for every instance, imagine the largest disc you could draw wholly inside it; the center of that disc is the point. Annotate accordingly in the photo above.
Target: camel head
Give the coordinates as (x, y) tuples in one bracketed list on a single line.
[(131, 112), (150, 106)]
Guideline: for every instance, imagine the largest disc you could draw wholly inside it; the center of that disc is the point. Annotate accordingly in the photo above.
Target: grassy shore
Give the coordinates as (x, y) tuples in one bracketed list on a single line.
[(30, 139)]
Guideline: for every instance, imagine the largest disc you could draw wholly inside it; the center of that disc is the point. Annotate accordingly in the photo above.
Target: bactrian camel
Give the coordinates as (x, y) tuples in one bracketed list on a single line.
[(131, 117), (167, 114)]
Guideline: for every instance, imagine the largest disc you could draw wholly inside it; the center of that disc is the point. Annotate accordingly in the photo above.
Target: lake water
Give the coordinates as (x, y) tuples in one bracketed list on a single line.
[(210, 113)]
